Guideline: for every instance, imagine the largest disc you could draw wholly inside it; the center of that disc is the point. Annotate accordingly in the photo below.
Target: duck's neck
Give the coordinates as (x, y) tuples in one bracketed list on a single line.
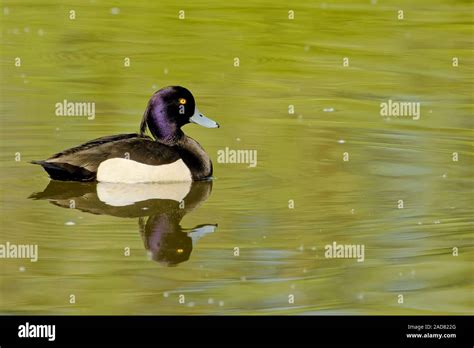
[(195, 158), (169, 135)]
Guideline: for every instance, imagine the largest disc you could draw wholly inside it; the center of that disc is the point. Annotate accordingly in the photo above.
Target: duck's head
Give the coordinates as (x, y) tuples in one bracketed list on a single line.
[(168, 110)]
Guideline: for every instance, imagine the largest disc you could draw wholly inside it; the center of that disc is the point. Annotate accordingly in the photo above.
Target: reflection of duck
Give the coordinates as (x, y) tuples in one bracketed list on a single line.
[(133, 158), (164, 204)]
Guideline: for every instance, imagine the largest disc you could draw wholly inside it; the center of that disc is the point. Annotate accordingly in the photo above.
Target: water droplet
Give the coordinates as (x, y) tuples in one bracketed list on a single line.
[(328, 109), (70, 223), (341, 141)]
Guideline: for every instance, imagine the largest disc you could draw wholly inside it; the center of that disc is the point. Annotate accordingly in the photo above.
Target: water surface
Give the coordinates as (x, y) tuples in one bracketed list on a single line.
[(282, 213)]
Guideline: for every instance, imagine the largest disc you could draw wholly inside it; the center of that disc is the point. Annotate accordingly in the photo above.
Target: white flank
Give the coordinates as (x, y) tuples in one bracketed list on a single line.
[(119, 195), (131, 172)]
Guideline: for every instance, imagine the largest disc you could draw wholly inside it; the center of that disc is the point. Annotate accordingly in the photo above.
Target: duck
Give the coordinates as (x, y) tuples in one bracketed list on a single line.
[(166, 155)]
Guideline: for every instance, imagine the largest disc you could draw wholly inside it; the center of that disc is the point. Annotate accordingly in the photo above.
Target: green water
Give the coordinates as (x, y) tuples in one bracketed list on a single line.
[(282, 213)]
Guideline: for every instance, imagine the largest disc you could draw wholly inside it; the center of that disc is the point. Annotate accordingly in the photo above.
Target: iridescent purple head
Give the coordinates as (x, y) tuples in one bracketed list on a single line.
[(168, 110)]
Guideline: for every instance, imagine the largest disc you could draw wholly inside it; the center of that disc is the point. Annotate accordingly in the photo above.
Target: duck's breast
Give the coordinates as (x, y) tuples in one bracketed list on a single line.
[(129, 171)]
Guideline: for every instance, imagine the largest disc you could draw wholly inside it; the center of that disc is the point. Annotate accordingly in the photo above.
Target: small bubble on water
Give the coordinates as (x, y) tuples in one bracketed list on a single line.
[(437, 222), (328, 109), (145, 208), (26, 29), (301, 248), (341, 141), (221, 303), (238, 139), (445, 176), (70, 223), (40, 32), (210, 301), (115, 10), (22, 268), (166, 294)]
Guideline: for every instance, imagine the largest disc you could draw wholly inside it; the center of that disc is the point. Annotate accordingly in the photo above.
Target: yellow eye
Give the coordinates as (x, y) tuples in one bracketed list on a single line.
[(182, 101)]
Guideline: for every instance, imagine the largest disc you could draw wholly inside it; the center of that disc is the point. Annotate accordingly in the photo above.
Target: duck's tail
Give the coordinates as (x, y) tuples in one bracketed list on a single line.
[(66, 171)]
